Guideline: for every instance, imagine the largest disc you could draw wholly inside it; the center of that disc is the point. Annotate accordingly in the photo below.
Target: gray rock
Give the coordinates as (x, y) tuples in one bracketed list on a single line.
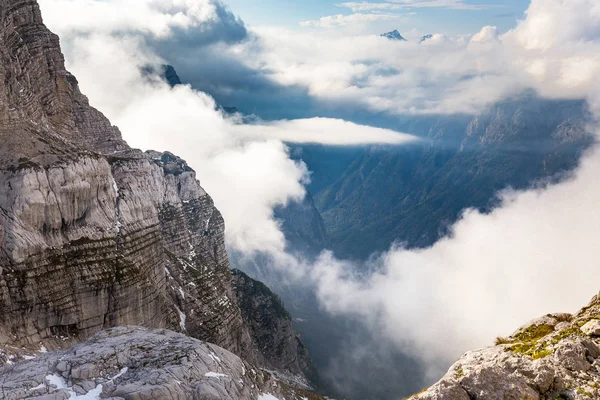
[(547, 359), (138, 363), (271, 326), (592, 328)]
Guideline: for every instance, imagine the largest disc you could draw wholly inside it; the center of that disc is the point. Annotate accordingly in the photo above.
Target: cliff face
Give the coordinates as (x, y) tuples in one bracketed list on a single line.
[(271, 324), (94, 234), (413, 194), (556, 357)]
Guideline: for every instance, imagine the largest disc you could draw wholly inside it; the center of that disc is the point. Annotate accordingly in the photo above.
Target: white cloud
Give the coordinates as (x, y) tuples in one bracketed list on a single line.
[(487, 34), (326, 131), (383, 75), (155, 17), (536, 254), (246, 169), (343, 20), (406, 4)]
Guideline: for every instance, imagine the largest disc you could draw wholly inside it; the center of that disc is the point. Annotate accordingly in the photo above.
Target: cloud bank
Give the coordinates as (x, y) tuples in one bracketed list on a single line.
[(535, 254), (326, 131), (409, 4), (246, 168)]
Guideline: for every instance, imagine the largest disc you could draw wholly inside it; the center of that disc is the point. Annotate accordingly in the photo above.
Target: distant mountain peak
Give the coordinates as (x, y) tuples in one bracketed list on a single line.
[(393, 35), (426, 37)]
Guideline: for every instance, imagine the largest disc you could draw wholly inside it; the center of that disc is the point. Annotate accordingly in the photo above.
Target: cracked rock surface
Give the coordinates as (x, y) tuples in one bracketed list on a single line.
[(139, 364), (556, 357)]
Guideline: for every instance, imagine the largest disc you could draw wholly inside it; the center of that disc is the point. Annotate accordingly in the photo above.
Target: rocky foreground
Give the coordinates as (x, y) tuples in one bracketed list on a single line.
[(556, 357), (141, 364)]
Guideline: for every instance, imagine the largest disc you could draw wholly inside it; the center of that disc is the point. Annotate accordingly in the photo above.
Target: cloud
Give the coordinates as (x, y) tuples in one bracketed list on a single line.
[(368, 72), (326, 131), (408, 4), (343, 20), (534, 254), (230, 157), (203, 20), (487, 34)]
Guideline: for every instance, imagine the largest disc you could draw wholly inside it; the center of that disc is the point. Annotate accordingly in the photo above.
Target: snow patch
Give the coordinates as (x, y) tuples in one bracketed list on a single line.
[(267, 396), (61, 384), (40, 386), (181, 319), (117, 210), (215, 375), (43, 349), (115, 187), (122, 372), (214, 357)]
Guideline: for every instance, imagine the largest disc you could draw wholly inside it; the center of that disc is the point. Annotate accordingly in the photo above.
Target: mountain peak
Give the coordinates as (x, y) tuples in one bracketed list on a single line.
[(426, 37), (393, 35)]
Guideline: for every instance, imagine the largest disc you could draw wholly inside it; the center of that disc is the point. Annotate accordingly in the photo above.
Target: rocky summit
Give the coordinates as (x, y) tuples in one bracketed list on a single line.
[(96, 235), (556, 357), (393, 35)]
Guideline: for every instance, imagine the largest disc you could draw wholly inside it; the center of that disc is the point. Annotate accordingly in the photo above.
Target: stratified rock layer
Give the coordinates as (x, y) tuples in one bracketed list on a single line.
[(94, 234), (556, 357)]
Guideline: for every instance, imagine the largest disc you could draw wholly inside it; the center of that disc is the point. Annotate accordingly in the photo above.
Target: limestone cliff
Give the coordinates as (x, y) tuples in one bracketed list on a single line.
[(94, 234), (556, 357), (271, 325)]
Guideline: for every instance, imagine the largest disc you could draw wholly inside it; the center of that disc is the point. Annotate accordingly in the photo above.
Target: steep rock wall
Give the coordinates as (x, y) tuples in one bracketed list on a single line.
[(94, 234)]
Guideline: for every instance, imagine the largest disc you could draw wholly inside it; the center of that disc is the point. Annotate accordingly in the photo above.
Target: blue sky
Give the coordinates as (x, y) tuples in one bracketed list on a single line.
[(442, 19)]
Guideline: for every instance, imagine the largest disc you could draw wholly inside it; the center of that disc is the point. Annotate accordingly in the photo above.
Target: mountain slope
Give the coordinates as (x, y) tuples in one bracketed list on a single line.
[(413, 193)]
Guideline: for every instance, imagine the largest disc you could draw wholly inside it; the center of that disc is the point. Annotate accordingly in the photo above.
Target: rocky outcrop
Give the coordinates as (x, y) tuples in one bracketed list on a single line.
[(303, 227), (165, 72), (141, 364), (94, 234), (271, 325), (554, 357)]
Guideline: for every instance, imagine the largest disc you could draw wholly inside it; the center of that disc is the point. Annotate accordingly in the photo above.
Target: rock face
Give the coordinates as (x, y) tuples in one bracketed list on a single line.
[(271, 324), (303, 227), (94, 234), (553, 357), (137, 363), (163, 71), (414, 193)]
